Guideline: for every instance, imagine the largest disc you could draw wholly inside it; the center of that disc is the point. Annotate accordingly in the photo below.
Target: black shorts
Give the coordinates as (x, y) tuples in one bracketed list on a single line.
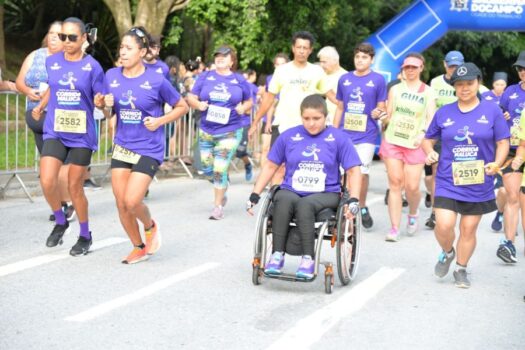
[(508, 169), (264, 128), (428, 170), (67, 155), (465, 208), (242, 149), (275, 134), (146, 165)]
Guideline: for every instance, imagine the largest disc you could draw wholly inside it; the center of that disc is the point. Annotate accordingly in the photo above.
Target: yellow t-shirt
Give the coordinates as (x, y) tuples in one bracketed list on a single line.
[(293, 84), (329, 82)]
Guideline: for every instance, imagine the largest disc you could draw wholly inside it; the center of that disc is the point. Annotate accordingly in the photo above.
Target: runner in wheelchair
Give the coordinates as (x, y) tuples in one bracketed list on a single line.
[(313, 154)]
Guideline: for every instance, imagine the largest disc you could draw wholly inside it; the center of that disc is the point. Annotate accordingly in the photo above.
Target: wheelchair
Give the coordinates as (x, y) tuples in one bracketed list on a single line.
[(330, 225)]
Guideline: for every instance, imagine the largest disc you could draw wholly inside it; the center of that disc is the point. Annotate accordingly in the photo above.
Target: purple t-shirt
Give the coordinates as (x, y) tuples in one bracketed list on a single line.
[(246, 119), (159, 67), (73, 85), (513, 101), (223, 94), (135, 99), (466, 136), (360, 95), (312, 161), (490, 96)]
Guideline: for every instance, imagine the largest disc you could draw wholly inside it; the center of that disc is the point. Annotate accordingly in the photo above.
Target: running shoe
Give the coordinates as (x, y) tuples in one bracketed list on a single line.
[(91, 185), (306, 268), (153, 239), (217, 213), (405, 202), (507, 252), (70, 213), (443, 264), (428, 200), (412, 225), (55, 238), (249, 172), (52, 216), (393, 235), (497, 223), (461, 280), (431, 221), (82, 246), (136, 255), (275, 265), (366, 219)]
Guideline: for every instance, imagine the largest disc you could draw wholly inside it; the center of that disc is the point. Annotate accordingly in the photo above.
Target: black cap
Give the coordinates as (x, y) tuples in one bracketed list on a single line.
[(467, 71), (500, 76), (223, 50), (521, 60)]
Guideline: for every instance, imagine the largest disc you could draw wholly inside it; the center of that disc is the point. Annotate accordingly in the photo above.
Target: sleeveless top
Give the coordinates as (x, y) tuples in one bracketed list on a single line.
[(36, 74)]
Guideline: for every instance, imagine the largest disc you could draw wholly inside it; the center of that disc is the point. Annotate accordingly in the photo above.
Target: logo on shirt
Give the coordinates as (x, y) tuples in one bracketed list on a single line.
[(370, 83), (483, 120), (465, 135), (347, 83), (146, 85), (488, 98), (297, 137), (87, 67), (311, 151), (234, 81), (159, 70), (356, 94), (448, 122), (220, 93), (68, 80), (127, 99), (114, 84), (128, 114), (55, 66), (330, 138), (513, 96), (211, 78)]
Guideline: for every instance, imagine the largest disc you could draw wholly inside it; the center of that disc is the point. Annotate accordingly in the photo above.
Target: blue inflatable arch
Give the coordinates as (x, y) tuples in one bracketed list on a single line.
[(425, 21)]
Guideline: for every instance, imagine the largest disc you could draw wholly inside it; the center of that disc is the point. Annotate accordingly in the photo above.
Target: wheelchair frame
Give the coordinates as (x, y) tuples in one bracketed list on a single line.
[(345, 235)]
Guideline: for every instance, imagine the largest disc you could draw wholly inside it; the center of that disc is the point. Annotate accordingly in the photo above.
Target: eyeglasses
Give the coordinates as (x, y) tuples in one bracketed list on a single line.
[(520, 69), (71, 37)]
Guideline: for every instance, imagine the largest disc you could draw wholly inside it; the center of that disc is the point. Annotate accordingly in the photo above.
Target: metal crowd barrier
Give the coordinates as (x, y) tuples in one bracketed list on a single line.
[(18, 153)]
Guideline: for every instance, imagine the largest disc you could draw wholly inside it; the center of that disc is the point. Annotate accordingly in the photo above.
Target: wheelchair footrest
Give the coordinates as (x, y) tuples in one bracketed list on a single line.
[(289, 277)]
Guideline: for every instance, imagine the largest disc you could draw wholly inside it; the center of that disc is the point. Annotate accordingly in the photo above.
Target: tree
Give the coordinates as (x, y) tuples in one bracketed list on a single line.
[(150, 14), (2, 39)]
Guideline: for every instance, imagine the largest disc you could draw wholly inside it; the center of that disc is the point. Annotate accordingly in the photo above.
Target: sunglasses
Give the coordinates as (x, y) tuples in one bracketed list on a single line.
[(520, 69), (71, 37), (139, 33)]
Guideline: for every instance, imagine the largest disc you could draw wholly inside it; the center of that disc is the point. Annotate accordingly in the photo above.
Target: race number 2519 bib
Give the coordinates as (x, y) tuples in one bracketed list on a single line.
[(355, 122), (125, 155), (308, 181), (470, 172), (70, 121), (216, 114)]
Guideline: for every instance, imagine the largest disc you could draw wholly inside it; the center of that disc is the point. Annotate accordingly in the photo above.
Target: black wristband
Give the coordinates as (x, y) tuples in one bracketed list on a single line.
[(254, 198), (351, 200)]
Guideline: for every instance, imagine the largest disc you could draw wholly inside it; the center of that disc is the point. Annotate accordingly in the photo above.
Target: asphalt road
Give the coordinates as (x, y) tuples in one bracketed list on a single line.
[(196, 292)]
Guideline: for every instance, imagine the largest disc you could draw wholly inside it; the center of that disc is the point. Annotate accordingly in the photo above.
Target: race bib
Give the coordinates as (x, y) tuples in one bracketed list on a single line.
[(70, 121), (514, 135), (470, 172), (125, 155), (405, 127), (355, 122), (308, 181), (216, 114)]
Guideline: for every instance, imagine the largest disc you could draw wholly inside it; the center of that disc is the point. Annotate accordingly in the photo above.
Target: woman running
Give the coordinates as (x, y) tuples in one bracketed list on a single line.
[(138, 95)]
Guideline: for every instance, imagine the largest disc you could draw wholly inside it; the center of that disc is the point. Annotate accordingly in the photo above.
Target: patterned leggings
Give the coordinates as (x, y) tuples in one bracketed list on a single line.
[(217, 152)]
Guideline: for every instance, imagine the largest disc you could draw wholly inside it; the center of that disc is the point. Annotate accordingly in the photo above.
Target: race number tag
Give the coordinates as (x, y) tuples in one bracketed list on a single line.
[(308, 181), (355, 122), (125, 155), (70, 121), (470, 172), (405, 128), (514, 135), (216, 114)]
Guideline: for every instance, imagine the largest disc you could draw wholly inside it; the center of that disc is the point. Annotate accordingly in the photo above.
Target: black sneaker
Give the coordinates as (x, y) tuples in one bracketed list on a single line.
[(431, 221), (428, 200), (405, 202), (52, 217), (56, 235), (64, 209), (366, 219), (82, 246), (386, 196), (70, 213), (91, 185)]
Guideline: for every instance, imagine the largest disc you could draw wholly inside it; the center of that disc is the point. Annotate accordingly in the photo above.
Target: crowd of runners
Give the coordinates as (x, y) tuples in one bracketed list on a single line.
[(314, 118)]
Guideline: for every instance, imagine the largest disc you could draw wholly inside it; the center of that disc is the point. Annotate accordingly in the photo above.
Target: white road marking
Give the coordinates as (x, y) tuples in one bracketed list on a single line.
[(311, 328), (108, 306), (47, 258)]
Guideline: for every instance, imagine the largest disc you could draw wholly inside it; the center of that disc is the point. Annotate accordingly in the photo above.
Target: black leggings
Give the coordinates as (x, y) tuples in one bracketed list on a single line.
[(37, 126), (288, 205)]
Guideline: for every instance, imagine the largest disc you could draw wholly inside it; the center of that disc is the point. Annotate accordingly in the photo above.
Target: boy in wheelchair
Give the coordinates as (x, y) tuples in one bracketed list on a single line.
[(313, 154)]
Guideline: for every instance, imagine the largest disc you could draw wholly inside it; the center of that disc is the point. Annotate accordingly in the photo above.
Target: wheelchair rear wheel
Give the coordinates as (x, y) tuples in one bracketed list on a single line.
[(263, 241), (347, 246)]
